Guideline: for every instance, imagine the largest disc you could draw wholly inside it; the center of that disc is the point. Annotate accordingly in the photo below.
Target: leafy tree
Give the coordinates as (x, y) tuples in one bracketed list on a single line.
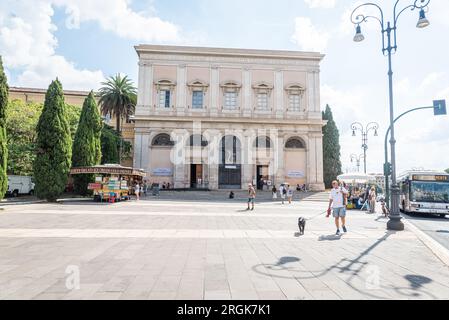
[(118, 97), (447, 170), (21, 123), (53, 146), (87, 144), (110, 145), (331, 148), (4, 92)]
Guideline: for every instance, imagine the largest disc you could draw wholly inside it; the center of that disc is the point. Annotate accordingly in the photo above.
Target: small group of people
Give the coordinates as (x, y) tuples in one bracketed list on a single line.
[(285, 191), (364, 197)]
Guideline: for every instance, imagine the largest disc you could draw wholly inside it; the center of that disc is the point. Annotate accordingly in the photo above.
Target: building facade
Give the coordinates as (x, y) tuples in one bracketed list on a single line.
[(222, 118)]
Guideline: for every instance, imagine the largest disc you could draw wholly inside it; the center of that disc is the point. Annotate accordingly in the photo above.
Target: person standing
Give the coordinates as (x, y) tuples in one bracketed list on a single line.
[(145, 188), (137, 191), (372, 200), (289, 194), (275, 192), (251, 196), (283, 192), (337, 201)]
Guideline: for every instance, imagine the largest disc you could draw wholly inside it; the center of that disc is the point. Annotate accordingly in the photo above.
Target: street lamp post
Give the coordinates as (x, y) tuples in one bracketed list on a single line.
[(357, 160), (364, 130), (389, 30)]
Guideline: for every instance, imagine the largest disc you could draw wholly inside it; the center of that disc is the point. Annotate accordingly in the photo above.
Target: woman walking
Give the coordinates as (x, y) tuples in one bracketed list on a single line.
[(372, 200), (137, 191), (275, 192)]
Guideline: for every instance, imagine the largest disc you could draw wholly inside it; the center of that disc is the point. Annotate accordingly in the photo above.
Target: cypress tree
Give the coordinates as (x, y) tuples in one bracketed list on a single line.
[(4, 92), (87, 143), (53, 146), (331, 149)]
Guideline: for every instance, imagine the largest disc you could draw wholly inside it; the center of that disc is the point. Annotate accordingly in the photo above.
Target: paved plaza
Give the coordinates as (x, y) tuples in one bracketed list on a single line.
[(176, 247)]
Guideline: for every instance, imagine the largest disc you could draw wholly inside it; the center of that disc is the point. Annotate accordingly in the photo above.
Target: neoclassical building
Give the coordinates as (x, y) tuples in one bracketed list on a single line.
[(222, 118)]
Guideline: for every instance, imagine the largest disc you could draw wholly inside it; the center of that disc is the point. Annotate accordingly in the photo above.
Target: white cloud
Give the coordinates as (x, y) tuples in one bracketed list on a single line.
[(308, 37), (118, 17), (327, 4), (28, 45)]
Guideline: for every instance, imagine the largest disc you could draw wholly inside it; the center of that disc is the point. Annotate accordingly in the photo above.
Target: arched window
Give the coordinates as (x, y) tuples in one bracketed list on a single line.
[(197, 140), (295, 143), (263, 142), (230, 149), (163, 140)]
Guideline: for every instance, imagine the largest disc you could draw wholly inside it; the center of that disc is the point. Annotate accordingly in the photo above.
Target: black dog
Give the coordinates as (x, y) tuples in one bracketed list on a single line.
[(301, 225)]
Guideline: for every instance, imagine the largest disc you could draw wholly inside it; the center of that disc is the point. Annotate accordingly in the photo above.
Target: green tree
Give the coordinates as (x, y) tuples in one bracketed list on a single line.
[(21, 123), (4, 93), (118, 97), (447, 170), (331, 149), (53, 146), (87, 143), (110, 144), (21, 126)]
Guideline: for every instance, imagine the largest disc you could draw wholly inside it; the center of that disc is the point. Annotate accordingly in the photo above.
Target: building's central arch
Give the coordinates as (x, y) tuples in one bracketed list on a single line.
[(230, 167)]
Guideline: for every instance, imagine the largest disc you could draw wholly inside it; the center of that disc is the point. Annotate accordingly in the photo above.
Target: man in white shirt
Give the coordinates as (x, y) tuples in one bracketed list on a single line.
[(337, 200)]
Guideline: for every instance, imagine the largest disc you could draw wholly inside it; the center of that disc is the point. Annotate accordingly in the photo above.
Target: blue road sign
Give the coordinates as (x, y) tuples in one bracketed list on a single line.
[(439, 107)]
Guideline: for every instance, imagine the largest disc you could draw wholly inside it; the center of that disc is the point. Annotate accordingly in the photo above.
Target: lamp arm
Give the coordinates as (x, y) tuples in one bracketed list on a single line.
[(372, 126), (357, 126), (359, 18)]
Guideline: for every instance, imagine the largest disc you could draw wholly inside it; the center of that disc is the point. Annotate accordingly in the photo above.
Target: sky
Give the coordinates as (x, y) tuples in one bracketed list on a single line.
[(84, 41)]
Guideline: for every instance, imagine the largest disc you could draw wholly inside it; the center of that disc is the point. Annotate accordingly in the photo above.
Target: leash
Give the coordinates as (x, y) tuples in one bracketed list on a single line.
[(316, 216)]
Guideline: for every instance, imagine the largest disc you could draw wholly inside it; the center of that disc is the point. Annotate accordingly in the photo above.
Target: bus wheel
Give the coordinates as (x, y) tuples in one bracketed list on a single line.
[(15, 193)]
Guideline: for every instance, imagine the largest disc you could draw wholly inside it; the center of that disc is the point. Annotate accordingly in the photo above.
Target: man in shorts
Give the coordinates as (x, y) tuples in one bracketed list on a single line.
[(337, 202), (251, 196)]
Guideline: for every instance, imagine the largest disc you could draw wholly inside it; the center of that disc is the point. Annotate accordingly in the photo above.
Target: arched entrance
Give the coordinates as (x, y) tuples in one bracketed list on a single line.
[(230, 168)]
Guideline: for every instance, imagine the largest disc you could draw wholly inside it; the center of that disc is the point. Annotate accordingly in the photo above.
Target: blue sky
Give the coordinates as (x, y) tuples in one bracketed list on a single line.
[(84, 41)]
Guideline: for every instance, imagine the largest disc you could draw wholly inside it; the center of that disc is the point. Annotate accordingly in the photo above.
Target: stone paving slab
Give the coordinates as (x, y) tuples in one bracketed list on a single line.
[(210, 250)]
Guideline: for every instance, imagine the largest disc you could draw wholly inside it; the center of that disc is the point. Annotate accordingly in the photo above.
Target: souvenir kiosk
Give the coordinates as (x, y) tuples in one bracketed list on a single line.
[(112, 182)]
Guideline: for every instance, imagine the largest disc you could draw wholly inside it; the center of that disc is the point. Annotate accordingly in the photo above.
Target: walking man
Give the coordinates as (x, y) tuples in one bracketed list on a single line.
[(337, 201), (251, 196), (289, 194)]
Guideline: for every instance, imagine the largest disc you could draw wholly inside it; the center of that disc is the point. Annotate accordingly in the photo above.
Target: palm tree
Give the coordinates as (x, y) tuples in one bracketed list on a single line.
[(118, 97)]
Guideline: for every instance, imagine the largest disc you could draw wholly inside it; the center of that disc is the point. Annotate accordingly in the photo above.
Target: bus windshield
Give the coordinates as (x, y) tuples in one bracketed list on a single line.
[(430, 191)]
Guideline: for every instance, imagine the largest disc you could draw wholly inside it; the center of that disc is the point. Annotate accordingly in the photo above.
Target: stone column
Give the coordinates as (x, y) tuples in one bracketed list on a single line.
[(181, 86), (145, 89), (142, 150), (214, 90), (248, 169), (279, 160), (313, 95), (279, 94), (315, 162), (247, 101)]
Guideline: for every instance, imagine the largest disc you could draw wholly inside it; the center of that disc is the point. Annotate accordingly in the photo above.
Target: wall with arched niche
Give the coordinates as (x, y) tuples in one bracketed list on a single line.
[(295, 161)]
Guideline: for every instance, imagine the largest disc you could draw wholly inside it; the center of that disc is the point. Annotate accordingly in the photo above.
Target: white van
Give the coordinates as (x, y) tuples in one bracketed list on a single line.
[(18, 185)]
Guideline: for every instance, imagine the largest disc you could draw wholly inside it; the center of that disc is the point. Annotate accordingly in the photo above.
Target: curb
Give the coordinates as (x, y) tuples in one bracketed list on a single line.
[(437, 249), (18, 203)]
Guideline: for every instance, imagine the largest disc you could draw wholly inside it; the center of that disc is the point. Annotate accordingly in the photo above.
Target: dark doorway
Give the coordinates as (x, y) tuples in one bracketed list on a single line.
[(196, 176), (230, 176), (262, 176), (230, 169)]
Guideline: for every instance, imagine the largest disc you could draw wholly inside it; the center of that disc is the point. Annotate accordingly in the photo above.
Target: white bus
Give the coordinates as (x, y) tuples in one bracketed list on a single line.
[(425, 192)]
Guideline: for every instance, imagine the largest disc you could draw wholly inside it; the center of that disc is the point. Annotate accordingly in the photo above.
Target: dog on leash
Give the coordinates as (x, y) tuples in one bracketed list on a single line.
[(301, 225)]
